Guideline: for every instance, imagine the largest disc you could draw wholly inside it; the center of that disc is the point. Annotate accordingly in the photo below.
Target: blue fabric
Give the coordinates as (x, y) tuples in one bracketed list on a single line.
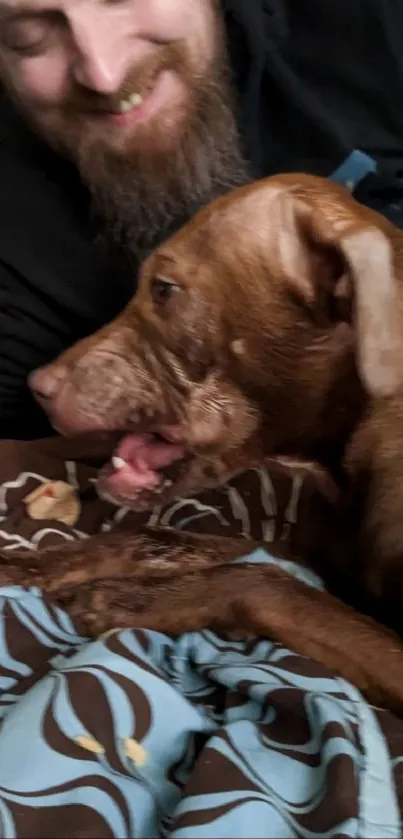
[(140, 735), (354, 169)]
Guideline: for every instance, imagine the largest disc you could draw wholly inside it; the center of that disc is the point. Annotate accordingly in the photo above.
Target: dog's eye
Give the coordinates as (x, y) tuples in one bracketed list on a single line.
[(162, 289)]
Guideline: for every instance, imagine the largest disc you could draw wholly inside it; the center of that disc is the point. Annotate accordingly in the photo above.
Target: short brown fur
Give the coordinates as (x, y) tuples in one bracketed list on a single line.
[(283, 336)]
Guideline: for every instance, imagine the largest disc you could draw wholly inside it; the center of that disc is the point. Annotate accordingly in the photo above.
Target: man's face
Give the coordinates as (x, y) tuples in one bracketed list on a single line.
[(135, 91)]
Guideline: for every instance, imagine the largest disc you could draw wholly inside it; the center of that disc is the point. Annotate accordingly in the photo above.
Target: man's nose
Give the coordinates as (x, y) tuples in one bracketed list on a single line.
[(99, 61)]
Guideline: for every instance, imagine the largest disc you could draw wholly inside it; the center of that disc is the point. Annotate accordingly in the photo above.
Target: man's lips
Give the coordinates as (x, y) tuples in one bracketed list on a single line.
[(159, 93)]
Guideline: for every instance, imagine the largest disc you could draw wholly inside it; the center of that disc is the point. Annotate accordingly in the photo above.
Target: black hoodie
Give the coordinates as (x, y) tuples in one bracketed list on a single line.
[(318, 84)]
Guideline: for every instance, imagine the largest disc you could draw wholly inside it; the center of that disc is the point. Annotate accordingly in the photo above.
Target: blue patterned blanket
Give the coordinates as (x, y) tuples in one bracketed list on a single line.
[(141, 735)]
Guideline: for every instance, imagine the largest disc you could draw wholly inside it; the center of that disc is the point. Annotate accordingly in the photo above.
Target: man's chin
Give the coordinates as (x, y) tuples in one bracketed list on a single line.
[(126, 150)]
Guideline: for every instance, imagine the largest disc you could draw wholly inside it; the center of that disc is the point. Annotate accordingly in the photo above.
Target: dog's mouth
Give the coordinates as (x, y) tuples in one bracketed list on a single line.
[(143, 465)]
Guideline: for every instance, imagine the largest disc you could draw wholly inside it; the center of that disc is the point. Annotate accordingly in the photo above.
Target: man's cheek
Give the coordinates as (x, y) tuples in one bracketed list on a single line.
[(37, 83)]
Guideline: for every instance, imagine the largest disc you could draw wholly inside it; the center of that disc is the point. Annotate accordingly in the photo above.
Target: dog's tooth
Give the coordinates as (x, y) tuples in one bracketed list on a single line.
[(118, 462), (167, 483)]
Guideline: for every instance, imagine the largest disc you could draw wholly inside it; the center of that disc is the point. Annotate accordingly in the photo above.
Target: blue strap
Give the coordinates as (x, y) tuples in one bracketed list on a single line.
[(353, 169)]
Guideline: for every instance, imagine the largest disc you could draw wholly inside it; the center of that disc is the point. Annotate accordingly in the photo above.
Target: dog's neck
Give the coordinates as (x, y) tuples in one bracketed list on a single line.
[(321, 431), (344, 409)]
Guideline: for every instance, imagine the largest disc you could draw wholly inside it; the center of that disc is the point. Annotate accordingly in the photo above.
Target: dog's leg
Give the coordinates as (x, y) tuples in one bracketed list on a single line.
[(176, 582), (151, 553), (258, 600)]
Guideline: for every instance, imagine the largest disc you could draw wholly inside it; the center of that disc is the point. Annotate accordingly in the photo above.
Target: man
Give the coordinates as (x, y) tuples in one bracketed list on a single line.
[(119, 118)]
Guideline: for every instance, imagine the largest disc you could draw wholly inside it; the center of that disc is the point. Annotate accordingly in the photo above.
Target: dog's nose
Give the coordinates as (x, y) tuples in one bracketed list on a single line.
[(46, 382)]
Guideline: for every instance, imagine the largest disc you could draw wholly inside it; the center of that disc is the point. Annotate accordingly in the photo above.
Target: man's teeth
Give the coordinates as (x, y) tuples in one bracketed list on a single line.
[(131, 102), (118, 462)]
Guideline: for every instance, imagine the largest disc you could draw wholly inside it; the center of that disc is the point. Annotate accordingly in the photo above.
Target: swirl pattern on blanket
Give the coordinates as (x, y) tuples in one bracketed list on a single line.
[(138, 734)]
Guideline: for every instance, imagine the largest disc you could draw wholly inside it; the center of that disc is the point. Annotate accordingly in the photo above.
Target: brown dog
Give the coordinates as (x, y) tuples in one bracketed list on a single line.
[(271, 324)]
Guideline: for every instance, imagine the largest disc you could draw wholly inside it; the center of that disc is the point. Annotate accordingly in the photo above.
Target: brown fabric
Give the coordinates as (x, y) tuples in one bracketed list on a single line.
[(263, 503)]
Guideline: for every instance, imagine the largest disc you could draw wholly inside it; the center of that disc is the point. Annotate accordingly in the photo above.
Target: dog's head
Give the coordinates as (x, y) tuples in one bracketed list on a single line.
[(260, 328)]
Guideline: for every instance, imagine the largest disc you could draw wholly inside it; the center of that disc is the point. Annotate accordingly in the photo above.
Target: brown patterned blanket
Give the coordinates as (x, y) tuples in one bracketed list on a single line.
[(140, 735)]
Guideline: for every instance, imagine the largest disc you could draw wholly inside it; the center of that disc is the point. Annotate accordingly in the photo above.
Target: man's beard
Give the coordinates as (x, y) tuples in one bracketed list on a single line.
[(145, 198), (144, 188), (145, 194)]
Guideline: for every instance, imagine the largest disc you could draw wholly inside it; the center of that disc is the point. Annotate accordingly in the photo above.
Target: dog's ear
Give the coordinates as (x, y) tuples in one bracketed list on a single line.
[(336, 257), (369, 257)]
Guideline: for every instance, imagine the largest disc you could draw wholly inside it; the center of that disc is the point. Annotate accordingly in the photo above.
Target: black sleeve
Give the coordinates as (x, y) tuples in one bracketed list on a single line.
[(32, 332), (35, 327), (56, 283)]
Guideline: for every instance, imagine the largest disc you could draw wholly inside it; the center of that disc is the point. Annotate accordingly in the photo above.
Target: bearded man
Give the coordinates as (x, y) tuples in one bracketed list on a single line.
[(120, 118)]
